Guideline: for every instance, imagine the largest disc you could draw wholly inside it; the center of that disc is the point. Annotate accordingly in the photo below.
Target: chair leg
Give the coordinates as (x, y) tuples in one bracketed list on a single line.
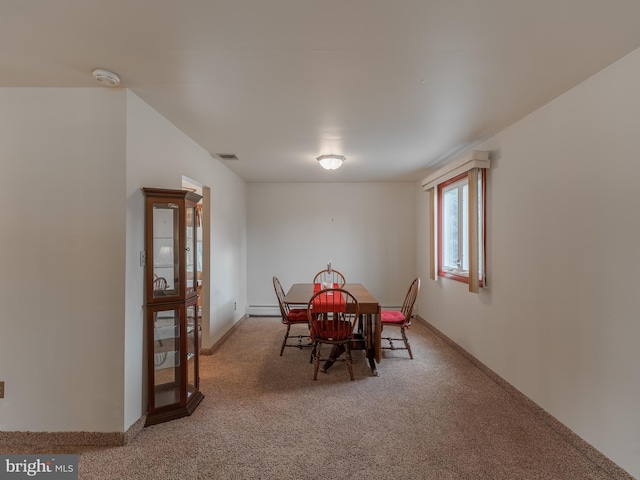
[(349, 362), (317, 360), (284, 342), (404, 339), (406, 342)]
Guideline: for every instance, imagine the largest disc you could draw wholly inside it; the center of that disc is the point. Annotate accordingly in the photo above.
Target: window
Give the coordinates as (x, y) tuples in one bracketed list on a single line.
[(454, 232), (457, 219), (454, 254)]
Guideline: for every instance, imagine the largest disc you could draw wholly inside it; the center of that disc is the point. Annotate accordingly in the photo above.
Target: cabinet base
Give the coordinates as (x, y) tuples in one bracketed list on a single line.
[(173, 413)]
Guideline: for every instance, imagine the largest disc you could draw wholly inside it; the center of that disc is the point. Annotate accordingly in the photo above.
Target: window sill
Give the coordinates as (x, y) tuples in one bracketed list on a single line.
[(457, 275), (454, 275)]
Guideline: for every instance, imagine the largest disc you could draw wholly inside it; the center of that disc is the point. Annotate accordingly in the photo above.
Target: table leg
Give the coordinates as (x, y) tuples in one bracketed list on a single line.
[(336, 351), (371, 341), (377, 336), (370, 345)]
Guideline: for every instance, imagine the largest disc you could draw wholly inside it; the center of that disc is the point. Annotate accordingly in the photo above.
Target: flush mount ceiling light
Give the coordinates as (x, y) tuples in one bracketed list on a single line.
[(330, 162), (105, 77)]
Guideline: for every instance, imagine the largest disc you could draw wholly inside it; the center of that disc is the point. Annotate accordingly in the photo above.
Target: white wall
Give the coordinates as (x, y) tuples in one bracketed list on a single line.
[(62, 252), (367, 230), (72, 165), (560, 319), (159, 155)]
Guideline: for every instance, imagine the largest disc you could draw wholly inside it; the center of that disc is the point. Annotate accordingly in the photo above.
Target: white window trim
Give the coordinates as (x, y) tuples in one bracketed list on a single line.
[(467, 163), (473, 159)]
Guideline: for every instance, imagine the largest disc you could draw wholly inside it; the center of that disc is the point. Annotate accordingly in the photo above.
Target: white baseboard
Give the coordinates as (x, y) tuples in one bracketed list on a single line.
[(274, 310), (263, 310)]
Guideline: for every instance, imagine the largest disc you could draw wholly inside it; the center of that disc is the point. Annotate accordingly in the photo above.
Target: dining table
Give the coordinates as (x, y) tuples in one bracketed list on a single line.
[(371, 339)]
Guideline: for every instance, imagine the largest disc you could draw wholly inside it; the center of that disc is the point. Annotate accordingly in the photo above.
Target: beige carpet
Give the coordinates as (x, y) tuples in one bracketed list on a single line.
[(263, 417)]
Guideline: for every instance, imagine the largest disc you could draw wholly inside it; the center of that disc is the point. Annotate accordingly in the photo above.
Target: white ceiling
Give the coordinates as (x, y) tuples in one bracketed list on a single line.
[(397, 86)]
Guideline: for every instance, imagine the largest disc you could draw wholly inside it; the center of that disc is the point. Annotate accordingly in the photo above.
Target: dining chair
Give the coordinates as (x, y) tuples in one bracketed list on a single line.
[(290, 316), (159, 283), (402, 318), (333, 276), (332, 315)]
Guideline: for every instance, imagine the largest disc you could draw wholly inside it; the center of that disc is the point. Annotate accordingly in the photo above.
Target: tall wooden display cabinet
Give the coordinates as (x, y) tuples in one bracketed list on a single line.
[(171, 303)]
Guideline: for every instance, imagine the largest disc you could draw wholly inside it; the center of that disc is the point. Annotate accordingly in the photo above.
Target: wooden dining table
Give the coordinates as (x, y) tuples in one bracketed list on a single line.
[(301, 293)]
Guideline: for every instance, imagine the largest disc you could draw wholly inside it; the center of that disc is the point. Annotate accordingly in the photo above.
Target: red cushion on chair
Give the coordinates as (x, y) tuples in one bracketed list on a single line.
[(391, 316), (330, 329), (297, 315)]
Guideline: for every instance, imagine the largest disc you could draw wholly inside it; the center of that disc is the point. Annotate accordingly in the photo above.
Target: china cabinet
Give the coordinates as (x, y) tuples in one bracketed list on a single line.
[(171, 303)]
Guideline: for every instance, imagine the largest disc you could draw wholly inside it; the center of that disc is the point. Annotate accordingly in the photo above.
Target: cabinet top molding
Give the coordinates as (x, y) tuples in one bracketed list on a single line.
[(165, 192)]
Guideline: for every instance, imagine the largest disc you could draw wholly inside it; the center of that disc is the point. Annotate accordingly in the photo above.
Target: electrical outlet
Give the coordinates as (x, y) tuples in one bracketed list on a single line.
[(143, 258), (1, 389)]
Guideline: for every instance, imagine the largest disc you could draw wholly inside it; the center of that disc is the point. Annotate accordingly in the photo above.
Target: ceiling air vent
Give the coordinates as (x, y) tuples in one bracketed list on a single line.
[(227, 156)]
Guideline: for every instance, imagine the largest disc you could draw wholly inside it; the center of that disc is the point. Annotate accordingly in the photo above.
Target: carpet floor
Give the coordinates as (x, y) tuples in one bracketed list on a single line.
[(263, 417)]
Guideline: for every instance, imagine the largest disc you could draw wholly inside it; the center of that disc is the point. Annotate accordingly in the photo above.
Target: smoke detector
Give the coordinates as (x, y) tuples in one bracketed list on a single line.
[(106, 78)]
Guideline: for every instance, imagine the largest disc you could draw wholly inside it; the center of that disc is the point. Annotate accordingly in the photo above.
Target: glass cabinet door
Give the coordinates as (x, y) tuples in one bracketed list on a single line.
[(165, 253), (166, 356), (193, 341), (191, 253)]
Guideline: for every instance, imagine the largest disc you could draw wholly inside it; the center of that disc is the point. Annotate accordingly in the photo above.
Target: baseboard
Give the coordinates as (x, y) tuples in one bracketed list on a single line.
[(274, 310), (216, 345), (58, 439), (263, 311), (51, 439), (588, 450)]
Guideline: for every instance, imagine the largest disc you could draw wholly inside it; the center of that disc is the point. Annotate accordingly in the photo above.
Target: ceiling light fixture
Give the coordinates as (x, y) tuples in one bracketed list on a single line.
[(105, 77), (331, 162)]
